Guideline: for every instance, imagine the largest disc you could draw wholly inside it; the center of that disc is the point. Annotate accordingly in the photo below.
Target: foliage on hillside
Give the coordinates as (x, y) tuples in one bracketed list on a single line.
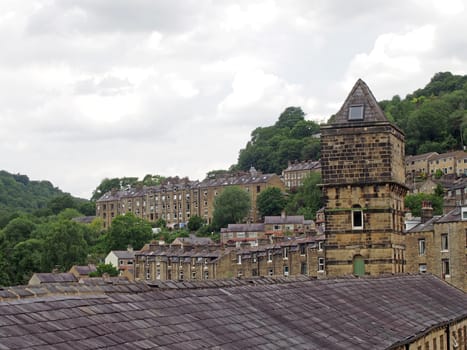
[(434, 118), (289, 139), (18, 195), (17, 192)]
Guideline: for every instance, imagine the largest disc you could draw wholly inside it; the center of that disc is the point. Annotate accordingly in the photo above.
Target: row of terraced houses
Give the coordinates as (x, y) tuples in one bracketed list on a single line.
[(364, 186)]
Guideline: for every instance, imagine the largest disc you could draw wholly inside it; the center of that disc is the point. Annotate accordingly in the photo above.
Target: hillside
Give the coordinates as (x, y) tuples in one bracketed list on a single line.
[(434, 118), (17, 192)]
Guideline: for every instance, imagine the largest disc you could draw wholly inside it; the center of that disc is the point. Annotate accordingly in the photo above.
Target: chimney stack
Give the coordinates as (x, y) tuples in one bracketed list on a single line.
[(427, 211)]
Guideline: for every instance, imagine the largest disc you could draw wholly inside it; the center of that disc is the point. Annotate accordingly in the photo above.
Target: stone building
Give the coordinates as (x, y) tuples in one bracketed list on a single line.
[(418, 165), (451, 163), (239, 234), (456, 195), (288, 257), (176, 200), (362, 165), (438, 245), (297, 171)]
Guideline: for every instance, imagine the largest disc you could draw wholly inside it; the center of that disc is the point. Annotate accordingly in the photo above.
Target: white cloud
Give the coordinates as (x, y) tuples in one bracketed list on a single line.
[(113, 88)]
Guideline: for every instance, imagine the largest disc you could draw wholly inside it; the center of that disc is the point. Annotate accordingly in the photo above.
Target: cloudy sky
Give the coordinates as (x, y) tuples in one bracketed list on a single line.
[(110, 88)]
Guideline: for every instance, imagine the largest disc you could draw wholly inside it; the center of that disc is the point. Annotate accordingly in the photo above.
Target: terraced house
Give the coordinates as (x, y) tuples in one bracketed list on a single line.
[(289, 257), (177, 200)]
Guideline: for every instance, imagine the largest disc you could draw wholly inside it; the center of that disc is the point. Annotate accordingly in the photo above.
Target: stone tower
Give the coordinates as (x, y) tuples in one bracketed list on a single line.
[(362, 159)]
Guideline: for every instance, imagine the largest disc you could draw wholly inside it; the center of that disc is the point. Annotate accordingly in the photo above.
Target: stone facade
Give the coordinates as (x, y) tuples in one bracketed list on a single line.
[(296, 172), (177, 200), (449, 163), (363, 171), (418, 165), (439, 246), (289, 257)]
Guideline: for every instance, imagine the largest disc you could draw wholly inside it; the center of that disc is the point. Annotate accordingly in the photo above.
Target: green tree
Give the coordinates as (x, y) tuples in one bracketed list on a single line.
[(105, 186), (152, 180), (26, 258), (231, 206), (69, 213), (161, 223), (290, 117), (87, 208), (128, 230), (271, 201), (18, 230), (64, 244), (59, 203), (413, 202), (195, 223), (104, 268), (307, 199)]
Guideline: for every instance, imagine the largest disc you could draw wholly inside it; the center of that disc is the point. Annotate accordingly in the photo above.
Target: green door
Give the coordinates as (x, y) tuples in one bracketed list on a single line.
[(358, 266)]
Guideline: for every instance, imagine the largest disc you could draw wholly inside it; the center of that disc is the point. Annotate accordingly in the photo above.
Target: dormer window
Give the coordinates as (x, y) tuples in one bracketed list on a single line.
[(356, 112)]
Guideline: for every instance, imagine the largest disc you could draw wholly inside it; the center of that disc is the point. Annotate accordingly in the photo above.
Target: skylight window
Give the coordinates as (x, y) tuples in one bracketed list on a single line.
[(356, 112)]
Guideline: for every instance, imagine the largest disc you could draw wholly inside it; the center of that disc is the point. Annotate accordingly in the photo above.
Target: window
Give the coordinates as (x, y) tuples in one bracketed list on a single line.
[(254, 272), (320, 245), (444, 242), (181, 276), (286, 270), (258, 189), (193, 275), (357, 218), (445, 267), (421, 247), (422, 268), (356, 112), (286, 253), (464, 213), (302, 249), (270, 272), (269, 255), (320, 264), (206, 275), (303, 269), (239, 259)]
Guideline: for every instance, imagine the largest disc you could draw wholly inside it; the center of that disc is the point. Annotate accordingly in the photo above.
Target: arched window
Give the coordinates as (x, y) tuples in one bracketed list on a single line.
[(357, 217), (358, 265)]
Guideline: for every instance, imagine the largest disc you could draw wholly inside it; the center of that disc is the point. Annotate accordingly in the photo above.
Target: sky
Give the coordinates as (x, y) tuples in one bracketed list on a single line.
[(91, 89)]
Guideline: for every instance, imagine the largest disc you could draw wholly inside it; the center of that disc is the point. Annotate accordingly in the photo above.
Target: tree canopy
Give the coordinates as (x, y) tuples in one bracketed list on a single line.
[(289, 139), (271, 201), (231, 206), (307, 199), (128, 230), (434, 118)]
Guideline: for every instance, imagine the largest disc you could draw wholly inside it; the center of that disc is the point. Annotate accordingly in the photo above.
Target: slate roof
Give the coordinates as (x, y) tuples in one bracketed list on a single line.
[(262, 313), (52, 277), (85, 269), (425, 226), (194, 240), (361, 95), (424, 156), (252, 177), (288, 219), (244, 228), (304, 165), (124, 254)]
